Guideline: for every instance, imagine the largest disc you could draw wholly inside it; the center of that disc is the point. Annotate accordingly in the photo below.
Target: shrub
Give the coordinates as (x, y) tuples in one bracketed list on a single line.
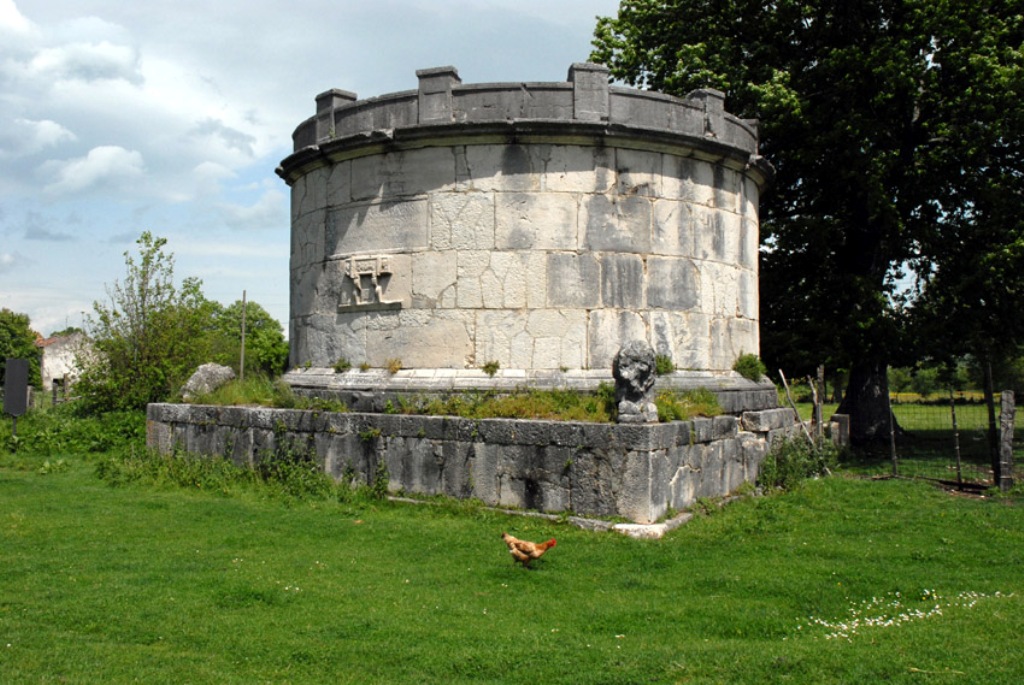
[(342, 365), (792, 460), (491, 368), (149, 338), (663, 364), (750, 367)]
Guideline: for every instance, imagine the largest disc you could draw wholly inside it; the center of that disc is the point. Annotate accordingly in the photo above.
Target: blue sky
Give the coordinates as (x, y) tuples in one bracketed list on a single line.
[(120, 117)]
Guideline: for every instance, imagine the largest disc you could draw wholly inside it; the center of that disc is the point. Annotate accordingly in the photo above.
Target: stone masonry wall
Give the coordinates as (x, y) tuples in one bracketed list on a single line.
[(635, 471), (540, 226)]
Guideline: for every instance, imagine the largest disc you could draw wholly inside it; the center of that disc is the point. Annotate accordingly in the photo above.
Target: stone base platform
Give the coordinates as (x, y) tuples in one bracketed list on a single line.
[(640, 472)]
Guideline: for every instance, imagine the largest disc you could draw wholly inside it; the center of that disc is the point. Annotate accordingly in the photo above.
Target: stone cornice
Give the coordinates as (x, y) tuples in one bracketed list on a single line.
[(585, 110)]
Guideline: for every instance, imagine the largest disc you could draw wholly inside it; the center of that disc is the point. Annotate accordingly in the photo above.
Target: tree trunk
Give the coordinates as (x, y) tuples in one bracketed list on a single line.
[(867, 404)]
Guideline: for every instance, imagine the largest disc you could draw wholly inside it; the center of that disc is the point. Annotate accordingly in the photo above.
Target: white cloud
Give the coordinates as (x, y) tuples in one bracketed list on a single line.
[(11, 20), (122, 117), (87, 62), (269, 211), (107, 162), (23, 137), (9, 261)]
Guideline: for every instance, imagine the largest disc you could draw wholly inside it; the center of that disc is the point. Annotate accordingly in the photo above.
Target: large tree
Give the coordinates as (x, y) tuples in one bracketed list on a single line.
[(266, 350), (18, 341), (890, 124)]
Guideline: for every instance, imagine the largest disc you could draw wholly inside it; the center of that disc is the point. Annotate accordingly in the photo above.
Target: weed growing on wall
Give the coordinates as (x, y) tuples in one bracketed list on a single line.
[(663, 364), (750, 367), (261, 391), (680, 406), (792, 460)]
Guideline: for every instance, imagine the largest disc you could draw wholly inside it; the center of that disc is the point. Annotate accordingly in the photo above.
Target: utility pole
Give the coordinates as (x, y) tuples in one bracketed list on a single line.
[(241, 363)]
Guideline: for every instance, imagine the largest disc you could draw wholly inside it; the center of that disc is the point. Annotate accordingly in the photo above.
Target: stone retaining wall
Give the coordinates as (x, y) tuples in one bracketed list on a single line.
[(636, 471)]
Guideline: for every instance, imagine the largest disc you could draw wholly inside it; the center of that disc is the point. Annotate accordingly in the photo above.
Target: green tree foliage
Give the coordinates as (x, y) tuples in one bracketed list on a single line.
[(895, 130), (266, 350), (18, 341), (149, 337)]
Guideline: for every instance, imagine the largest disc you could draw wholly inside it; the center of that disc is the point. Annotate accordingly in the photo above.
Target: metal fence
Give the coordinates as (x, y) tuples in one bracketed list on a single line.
[(950, 441)]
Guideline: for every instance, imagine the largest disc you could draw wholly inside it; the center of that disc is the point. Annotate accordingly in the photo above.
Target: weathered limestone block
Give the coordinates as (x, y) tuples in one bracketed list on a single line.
[(622, 281), (311, 194), (684, 336), (768, 419), (748, 306), (607, 329), (673, 228), (462, 221), (307, 245), (719, 288), (401, 174), (573, 280), (434, 280), (749, 245), (576, 169), (496, 332), (377, 227), (439, 339), (717, 235), (538, 221), (638, 173), (689, 179), (339, 184), (559, 338), (508, 168), (633, 496), (727, 184), (616, 223), (730, 338), (672, 284)]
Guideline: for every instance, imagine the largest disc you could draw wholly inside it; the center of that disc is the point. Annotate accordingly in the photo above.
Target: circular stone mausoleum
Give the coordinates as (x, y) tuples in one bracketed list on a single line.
[(540, 226)]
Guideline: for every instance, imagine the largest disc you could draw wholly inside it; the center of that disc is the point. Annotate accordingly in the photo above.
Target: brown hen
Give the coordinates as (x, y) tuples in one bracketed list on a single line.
[(525, 551)]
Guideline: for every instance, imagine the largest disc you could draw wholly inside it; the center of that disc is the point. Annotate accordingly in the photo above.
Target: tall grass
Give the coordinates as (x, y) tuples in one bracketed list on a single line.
[(835, 581)]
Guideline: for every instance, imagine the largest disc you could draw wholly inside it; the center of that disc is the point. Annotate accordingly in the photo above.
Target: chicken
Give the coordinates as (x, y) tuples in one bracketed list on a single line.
[(523, 551)]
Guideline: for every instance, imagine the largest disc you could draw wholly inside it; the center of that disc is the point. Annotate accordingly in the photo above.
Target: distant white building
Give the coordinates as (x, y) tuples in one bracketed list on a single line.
[(57, 364)]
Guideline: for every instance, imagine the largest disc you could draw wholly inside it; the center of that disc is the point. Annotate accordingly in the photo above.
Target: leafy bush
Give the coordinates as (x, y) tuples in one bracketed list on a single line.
[(663, 364), (149, 338), (750, 367), (792, 460), (65, 430), (152, 335)]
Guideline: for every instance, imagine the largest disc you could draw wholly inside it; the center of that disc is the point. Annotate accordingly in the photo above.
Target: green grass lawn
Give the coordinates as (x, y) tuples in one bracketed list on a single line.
[(844, 580)]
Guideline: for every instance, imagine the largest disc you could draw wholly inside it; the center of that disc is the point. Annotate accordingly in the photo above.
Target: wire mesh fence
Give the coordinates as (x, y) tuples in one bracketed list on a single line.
[(947, 441)]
